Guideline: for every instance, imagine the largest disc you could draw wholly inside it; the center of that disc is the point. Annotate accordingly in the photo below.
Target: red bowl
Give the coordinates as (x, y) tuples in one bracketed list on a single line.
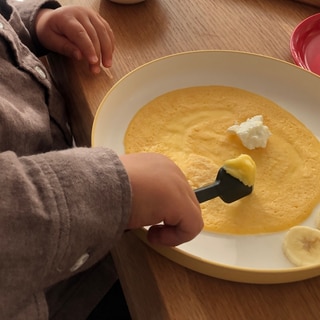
[(305, 44)]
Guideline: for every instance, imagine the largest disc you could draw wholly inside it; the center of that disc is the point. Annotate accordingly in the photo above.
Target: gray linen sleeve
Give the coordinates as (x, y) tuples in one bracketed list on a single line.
[(28, 11), (57, 211)]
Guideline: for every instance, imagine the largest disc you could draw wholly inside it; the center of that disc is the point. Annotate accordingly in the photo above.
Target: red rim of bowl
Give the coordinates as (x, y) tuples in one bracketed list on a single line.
[(301, 36)]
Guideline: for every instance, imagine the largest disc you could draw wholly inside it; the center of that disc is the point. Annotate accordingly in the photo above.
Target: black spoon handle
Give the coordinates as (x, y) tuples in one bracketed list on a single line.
[(208, 192)]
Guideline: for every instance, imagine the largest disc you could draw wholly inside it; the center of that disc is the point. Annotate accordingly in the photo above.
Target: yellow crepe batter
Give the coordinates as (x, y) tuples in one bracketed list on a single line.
[(190, 126)]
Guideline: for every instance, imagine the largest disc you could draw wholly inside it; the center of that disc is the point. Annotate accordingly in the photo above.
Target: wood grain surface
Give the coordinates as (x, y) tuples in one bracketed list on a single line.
[(315, 3), (155, 287)]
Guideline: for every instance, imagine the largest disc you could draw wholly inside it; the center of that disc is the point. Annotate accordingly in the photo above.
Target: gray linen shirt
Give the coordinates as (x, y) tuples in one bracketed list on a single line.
[(59, 206)]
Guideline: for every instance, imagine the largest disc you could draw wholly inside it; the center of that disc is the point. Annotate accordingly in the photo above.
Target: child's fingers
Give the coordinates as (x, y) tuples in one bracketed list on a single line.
[(106, 41), (61, 44), (84, 37), (95, 39), (177, 228)]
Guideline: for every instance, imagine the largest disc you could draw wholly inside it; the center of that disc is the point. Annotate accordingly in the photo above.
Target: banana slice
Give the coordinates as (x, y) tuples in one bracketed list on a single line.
[(301, 245)]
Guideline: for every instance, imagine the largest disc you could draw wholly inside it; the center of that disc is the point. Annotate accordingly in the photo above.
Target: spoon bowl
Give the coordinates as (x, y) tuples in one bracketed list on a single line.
[(227, 187)]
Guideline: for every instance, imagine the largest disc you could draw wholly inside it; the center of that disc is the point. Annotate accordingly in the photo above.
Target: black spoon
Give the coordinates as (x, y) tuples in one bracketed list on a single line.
[(227, 187)]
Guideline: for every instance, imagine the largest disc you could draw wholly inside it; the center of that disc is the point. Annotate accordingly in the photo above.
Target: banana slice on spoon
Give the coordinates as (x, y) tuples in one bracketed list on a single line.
[(301, 246), (234, 181)]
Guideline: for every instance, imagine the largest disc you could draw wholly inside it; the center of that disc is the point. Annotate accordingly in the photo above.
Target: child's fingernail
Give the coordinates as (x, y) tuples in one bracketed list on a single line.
[(108, 63), (93, 59), (95, 69)]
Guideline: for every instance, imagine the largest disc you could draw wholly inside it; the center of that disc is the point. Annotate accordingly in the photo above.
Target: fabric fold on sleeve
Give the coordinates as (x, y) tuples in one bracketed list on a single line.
[(58, 208)]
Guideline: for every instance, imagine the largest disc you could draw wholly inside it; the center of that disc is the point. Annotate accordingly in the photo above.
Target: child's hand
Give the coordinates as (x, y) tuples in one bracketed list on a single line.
[(76, 32), (161, 193)]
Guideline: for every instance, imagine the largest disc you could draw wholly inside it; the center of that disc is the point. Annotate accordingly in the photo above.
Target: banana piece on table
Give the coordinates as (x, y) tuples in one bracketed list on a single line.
[(301, 245)]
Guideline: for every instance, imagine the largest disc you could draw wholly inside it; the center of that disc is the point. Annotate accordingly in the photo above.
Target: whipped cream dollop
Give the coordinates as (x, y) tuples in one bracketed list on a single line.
[(252, 132)]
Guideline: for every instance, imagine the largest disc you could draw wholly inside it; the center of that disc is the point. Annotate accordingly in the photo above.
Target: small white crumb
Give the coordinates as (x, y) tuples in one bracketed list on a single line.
[(252, 133)]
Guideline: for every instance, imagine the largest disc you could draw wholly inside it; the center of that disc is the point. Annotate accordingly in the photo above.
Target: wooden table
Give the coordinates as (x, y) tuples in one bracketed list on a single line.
[(155, 287)]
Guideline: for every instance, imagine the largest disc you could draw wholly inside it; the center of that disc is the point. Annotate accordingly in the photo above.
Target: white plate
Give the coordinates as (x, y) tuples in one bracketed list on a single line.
[(253, 259)]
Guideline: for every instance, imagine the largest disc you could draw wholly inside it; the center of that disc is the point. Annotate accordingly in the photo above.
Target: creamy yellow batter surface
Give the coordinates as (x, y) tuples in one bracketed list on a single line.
[(190, 126)]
